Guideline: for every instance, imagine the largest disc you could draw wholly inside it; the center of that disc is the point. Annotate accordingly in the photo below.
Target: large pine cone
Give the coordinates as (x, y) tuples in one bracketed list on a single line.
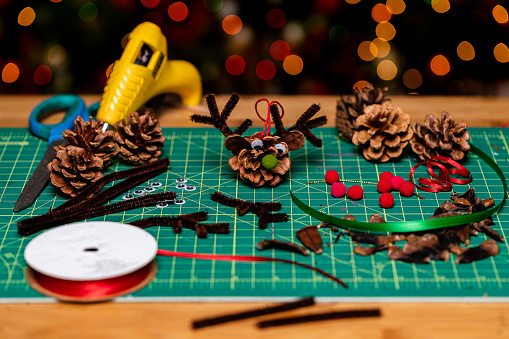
[(442, 137), (74, 168), (249, 153), (383, 131), (140, 138), (350, 107), (90, 136)]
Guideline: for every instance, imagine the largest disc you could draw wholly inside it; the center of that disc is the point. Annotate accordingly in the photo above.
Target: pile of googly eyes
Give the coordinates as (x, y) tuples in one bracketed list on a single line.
[(180, 184)]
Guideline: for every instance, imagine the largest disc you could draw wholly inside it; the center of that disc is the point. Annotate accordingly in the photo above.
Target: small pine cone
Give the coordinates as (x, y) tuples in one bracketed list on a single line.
[(350, 107), (90, 136), (443, 137), (248, 162), (74, 168), (140, 138), (383, 131)]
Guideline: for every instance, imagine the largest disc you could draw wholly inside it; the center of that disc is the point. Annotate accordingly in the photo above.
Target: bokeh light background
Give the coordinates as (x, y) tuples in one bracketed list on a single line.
[(444, 47)]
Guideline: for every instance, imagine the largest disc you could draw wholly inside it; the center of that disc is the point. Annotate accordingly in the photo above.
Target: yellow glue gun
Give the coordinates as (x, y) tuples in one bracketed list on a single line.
[(144, 72)]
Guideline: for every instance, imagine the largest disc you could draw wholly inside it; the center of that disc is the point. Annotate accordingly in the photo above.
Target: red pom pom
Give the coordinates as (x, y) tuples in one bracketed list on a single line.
[(384, 186), (406, 189), (396, 181), (386, 176), (338, 190), (355, 192), (386, 200), (331, 177)]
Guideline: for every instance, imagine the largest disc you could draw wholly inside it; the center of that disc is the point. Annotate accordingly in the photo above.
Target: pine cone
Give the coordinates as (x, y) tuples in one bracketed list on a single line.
[(383, 131), (248, 162), (90, 136), (442, 137), (74, 168), (140, 138), (350, 107)]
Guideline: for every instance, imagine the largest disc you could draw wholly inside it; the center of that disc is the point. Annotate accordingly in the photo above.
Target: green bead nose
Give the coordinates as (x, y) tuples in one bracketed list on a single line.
[(269, 161)]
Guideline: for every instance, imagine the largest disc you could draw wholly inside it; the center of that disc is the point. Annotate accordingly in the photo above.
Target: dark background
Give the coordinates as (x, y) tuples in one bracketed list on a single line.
[(89, 34)]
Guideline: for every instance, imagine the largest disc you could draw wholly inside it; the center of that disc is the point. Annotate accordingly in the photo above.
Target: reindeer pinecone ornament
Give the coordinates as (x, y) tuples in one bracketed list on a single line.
[(350, 107), (443, 137), (90, 136), (262, 159), (383, 131), (74, 168), (140, 138)]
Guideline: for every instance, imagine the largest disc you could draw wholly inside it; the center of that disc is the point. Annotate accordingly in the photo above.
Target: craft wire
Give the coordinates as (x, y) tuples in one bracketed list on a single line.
[(345, 180), (320, 317), (309, 301)]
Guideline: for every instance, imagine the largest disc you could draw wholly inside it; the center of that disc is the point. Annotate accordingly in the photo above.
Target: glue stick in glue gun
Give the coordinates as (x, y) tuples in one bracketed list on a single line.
[(143, 72)]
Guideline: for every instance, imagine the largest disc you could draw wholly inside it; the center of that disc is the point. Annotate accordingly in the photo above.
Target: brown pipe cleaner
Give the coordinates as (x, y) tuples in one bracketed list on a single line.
[(261, 209), (189, 221), (31, 225)]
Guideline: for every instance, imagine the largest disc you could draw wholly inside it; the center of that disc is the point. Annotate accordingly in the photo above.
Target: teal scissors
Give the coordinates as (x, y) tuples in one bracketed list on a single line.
[(74, 107)]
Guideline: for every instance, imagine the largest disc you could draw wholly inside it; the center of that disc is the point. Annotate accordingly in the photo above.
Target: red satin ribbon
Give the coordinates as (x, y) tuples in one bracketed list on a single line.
[(92, 288), (443, 180), (266, 128), (247, 258)]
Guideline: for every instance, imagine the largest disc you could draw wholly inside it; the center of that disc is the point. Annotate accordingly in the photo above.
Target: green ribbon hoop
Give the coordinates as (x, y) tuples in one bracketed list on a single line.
[(417, 225)]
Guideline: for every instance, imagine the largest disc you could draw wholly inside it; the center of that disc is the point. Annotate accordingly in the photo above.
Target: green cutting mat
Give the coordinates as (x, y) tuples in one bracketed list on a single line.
[(199, 155)]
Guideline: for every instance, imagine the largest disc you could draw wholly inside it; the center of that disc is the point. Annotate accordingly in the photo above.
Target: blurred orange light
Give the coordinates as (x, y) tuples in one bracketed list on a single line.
[(26, 16), (353, 2), (293, 64), (108, 71), (380, 13), (10, 73), (178, 11), (440, 65), (396, 6), (412, 79), (387, 70), (367, 50), (385, 31), (279, 50), (440, 6), (383, 48), (42, 75), (465, 51), (500, 14), (501, 53), (360, 84), (232, 24)]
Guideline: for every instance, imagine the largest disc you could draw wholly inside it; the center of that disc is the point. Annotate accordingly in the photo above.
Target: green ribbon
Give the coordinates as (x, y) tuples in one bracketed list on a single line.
[(417, 225)]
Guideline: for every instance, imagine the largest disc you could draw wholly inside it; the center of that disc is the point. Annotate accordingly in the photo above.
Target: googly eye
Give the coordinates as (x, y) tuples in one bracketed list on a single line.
[(281, 149), (139, 192), (162, 204), (257, 144), (181, 186), (149, 189), (190, 188), (181, 180), (128, 197), (156, 184), (180, 201)]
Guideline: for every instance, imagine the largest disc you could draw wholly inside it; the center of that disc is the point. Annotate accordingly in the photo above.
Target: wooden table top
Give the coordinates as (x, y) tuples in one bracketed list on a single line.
[(173, 320)]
